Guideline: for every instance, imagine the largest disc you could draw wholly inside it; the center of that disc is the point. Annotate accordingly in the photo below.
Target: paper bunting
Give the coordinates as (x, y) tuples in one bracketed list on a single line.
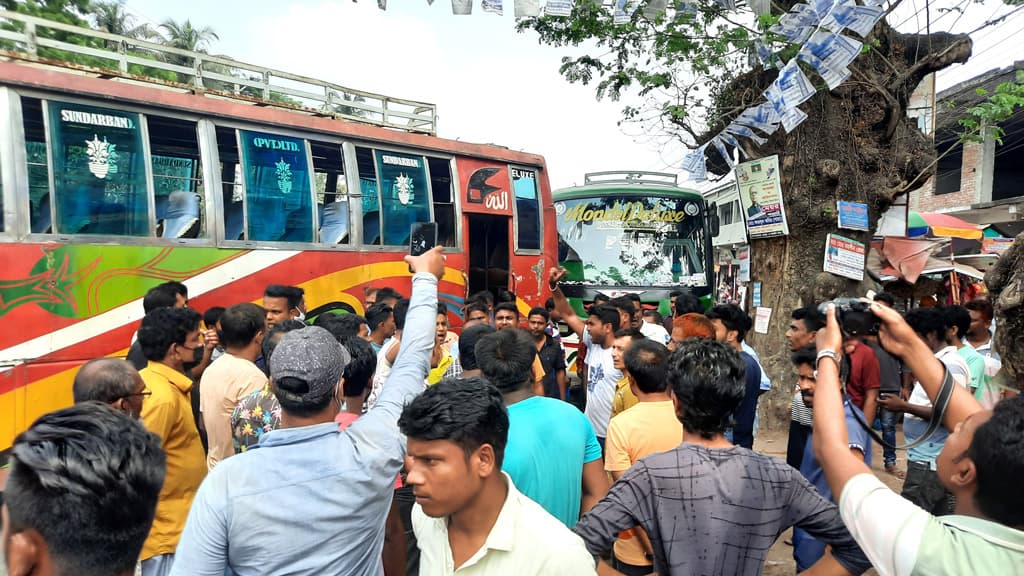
[(761, 7), (654, 8), (558, 7), (817, 26), (382, 4), (729, 139), (527, 8), (717, 141), (462, 7), (744, 131), (686, 8), (624, 11), (492, 6), (793, 118)]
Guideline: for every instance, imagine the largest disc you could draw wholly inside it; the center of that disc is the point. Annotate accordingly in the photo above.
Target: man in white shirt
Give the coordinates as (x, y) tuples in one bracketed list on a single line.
[(980, 463), (597, 336), (923, 485), (468, 517)]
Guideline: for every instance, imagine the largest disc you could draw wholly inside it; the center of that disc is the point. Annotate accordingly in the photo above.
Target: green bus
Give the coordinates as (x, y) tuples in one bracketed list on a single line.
[(634, 233)]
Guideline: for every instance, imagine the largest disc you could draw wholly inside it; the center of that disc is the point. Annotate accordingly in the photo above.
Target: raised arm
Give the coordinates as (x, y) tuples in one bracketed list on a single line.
[(562, 305), (830, 439), (379, 427)]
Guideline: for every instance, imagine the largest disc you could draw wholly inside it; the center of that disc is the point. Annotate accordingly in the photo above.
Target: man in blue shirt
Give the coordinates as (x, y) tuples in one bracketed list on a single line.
[(731, 325), (552, 454), (311, 499), (807, 549)]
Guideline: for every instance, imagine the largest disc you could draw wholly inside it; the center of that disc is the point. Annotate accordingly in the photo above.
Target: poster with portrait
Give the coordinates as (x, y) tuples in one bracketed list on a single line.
[(761, 196)]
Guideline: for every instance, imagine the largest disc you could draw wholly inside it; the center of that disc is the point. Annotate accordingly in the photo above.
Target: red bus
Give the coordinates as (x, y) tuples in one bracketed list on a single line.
[(114, 182)]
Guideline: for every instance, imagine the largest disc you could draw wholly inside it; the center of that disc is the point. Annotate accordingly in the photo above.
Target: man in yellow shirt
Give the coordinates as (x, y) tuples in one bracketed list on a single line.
[(170, 340), (648, 427)]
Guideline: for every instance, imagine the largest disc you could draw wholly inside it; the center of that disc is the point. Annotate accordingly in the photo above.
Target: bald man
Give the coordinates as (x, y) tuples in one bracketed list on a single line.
[(111, 381)]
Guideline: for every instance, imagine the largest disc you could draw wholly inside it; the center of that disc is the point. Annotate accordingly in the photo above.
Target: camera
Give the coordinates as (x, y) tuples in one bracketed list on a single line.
[(854, 316)]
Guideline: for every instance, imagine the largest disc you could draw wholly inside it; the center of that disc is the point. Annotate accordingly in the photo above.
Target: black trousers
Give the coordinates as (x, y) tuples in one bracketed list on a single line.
[(798, 434), (405, 499), (922, 487)]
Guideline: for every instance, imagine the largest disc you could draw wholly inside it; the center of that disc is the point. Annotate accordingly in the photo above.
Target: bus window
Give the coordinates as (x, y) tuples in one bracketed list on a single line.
[(441, 186), (99, 175), (38, 170), (231, 184), (331, 193), (404, 195), (278, 203), (177, 177), (524, 186), (369, 196)]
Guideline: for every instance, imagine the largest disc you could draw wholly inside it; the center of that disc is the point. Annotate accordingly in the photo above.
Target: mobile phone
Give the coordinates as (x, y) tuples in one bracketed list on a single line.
[(422, 237)]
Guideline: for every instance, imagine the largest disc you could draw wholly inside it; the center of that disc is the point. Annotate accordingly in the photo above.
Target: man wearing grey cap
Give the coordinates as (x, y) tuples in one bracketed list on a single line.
[(308, 499)]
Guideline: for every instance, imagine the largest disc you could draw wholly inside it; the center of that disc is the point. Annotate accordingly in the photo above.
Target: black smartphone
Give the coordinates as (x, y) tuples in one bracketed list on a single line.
[(422, 237)]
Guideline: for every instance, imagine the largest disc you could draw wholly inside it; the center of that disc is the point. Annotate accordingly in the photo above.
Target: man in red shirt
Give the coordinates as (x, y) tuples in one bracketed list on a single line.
[(865, 378)]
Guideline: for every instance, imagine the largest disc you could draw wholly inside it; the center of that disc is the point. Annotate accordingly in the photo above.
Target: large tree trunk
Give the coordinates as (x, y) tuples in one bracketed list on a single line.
[(858, 145)]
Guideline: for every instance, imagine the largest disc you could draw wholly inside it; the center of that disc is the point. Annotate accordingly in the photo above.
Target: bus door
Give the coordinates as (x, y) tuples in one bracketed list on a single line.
[(487, 213)]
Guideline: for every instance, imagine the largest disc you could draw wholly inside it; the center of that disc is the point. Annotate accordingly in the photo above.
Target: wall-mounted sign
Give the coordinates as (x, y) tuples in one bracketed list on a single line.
[(853, 215)]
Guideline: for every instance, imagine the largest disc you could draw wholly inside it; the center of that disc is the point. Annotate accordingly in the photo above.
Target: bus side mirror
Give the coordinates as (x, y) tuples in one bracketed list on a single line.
[(714, 226)]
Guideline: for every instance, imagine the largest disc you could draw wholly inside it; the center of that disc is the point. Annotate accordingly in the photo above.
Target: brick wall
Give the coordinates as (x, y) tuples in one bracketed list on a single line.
[(925, 200)]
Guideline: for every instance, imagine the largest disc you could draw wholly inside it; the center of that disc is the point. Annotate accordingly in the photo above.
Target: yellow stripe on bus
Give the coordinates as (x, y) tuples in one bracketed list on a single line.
[(26, 403)]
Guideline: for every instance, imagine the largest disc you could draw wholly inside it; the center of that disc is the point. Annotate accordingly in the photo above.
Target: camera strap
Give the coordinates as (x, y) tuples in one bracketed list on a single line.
[(938, 413)]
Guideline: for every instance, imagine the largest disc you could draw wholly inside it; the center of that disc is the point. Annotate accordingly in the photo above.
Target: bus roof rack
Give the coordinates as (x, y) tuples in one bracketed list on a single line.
[(631, 177), (111, 56)]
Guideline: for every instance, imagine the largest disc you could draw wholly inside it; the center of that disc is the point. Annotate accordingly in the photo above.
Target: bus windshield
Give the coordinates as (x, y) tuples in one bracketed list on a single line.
[(632, 241)]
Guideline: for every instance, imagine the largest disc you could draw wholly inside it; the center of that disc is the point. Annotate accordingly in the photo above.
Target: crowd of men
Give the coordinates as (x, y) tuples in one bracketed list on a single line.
[(253, 440)]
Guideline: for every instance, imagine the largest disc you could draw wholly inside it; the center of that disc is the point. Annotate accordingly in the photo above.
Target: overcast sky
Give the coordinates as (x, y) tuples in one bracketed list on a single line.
[(490, 83)]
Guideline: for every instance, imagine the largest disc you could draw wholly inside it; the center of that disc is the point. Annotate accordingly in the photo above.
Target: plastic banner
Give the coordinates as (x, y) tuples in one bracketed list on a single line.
[(382, 4), (492, 6), (462, 7), (558, 7)]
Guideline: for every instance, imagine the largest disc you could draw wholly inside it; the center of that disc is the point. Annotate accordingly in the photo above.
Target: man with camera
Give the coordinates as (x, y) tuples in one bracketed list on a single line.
[(981, 463)]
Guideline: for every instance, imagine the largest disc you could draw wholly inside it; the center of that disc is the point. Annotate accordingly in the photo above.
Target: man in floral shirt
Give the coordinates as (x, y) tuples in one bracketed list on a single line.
[(260, 411)]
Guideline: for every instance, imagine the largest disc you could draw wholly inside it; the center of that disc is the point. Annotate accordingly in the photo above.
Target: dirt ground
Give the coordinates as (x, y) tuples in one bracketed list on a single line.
[(780, 556)]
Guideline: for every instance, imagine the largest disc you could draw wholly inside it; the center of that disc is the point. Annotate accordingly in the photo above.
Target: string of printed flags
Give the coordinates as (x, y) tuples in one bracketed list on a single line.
[(818, 26)]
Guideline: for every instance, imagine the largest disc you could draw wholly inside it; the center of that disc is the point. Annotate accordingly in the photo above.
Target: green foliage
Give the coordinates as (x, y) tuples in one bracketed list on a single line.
[(1001, 104), (678, 63), (71, 12)]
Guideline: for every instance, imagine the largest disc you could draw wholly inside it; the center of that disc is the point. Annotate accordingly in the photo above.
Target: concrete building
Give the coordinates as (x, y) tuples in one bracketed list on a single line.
[(981, 182)]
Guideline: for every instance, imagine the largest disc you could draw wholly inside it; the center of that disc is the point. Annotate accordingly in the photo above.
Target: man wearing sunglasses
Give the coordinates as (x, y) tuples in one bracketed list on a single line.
[(111, 381)]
